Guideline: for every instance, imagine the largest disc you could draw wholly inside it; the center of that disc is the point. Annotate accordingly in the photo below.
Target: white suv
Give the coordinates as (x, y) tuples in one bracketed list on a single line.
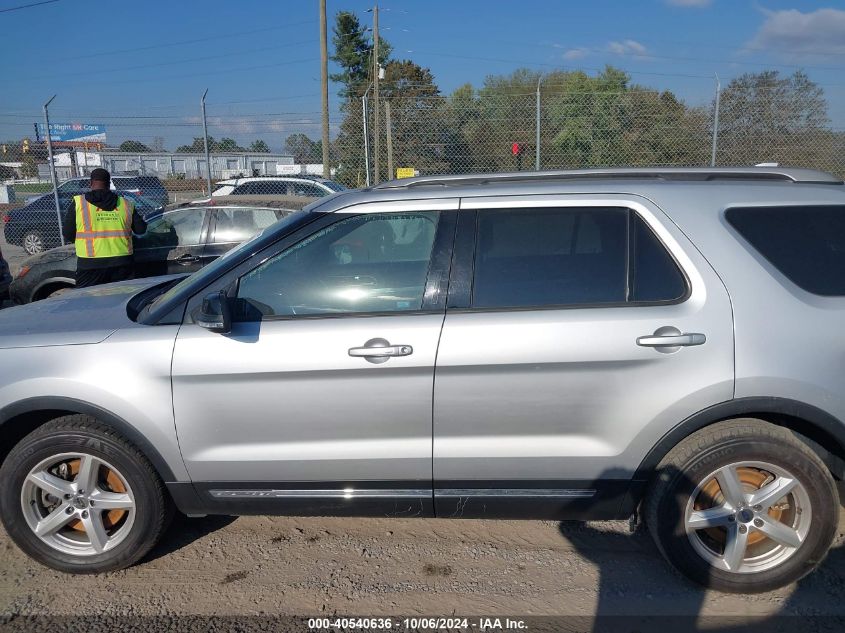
[(277, 185)]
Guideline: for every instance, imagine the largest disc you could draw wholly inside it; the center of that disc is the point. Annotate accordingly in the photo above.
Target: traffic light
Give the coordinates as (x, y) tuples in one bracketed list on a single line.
[(516, 150), (25, 147)]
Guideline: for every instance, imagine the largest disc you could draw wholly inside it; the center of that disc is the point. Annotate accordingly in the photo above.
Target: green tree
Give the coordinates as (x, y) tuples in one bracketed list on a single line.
[(226, 145), (417, 119), (303, 149), (197, 146), (767, 117), (133, 146), (259, 146), (223, 145), (353, 53), (28, 167)]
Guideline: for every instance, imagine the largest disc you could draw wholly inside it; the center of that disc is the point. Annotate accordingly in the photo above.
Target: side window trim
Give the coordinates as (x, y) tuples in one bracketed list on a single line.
[(463, 259)]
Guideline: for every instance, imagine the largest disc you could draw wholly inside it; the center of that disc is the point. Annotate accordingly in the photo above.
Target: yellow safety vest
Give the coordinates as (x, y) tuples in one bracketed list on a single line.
[(101, 233)]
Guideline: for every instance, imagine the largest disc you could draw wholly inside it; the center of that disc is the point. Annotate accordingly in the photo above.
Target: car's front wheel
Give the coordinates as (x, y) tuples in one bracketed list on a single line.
[(33, 243), (743, 506), (79, 498)]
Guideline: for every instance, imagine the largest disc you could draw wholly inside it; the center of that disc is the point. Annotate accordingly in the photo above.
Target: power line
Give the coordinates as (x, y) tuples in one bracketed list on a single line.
[(171, 63), (27, 6), (184, 42)]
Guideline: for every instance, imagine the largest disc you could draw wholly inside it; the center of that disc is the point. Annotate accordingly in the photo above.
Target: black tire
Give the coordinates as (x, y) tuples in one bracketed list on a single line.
[(84, 434), (701, 454)]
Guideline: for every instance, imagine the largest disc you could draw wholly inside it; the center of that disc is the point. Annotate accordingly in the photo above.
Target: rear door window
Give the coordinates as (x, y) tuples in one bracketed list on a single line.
[(569, 257), (805, 243), (238, 225)]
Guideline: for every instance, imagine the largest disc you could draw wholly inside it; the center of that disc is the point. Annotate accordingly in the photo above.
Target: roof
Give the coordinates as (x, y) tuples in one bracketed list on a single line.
[(270, 201)]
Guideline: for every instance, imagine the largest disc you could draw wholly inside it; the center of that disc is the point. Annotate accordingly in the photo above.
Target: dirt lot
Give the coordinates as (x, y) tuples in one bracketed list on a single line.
[(263, 565)]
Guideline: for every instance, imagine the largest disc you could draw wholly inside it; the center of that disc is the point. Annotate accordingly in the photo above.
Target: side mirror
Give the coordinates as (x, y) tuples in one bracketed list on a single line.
[(215, 314)]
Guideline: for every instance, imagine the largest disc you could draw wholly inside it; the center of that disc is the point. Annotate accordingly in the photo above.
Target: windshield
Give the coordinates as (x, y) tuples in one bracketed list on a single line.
[(334, 186), (142, 203), (217, 266)]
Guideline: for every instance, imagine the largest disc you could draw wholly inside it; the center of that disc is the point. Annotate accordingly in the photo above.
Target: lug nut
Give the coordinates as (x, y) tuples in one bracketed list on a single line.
[(758, 507), (758, 522), (85, 514), (69, 510), (731, 517), (91, 502), (743, 529), (68, 496)]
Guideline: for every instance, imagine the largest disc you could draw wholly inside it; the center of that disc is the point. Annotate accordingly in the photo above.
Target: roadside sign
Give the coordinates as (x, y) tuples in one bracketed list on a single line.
[(406, 172), (74, 132)]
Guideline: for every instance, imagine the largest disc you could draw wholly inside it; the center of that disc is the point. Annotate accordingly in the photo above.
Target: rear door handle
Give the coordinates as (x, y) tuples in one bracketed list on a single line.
[(659, 339), (379, 350)]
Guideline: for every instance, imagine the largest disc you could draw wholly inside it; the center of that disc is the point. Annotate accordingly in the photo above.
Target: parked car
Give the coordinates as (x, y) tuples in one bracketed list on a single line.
[(34, 226), (182, 239), (309, 186), (5, 279), (597, 344)]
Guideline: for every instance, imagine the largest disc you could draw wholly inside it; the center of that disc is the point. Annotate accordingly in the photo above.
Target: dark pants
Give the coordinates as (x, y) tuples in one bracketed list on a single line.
[(97, 276)]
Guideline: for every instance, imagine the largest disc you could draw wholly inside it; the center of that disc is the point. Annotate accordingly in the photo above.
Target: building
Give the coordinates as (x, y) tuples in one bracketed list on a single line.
[(168, 165)]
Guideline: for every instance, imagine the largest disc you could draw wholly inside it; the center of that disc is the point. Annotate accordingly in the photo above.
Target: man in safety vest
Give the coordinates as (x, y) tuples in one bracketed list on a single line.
[(101, 224)]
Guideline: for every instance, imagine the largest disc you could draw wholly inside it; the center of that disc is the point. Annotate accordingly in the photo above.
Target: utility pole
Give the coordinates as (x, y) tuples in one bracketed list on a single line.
[(324, 87), (375, 94), (716, 122), (205, 141), (53, 170), (389, 125), (537, 142)]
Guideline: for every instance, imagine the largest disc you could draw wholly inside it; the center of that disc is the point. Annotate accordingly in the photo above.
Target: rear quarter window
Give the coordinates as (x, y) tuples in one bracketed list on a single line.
[(805, 243)]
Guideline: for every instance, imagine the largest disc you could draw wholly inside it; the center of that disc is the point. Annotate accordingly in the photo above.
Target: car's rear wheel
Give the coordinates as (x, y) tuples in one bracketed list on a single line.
[(743, 506), (79, 498), (33, 242)]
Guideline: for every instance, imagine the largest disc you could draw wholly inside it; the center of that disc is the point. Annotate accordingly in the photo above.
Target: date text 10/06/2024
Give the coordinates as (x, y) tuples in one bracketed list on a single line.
[(418, 623)]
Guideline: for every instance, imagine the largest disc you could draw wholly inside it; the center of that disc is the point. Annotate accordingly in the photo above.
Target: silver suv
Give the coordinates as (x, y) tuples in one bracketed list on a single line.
[(553, 345)]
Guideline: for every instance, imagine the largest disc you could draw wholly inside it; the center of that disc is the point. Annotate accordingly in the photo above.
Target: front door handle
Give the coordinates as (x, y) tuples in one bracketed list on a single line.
[(187, 258), (671, 339), (379, 350)]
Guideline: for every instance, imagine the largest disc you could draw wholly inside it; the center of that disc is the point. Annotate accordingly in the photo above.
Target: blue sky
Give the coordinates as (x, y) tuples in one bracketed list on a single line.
[(140, 67)]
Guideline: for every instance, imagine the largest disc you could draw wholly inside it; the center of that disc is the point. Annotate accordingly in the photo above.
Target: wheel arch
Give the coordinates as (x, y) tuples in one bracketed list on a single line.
[(51, 283), (21, 418), (823, 432)]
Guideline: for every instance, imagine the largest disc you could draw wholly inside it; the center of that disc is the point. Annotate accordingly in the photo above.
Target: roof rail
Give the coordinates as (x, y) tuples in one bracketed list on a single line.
[(786, 174)]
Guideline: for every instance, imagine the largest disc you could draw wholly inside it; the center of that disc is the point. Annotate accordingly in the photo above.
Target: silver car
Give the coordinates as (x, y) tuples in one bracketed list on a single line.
[(602, 344)]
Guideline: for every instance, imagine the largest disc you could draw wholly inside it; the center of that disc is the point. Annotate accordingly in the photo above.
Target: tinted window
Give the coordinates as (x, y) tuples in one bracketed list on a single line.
[(552, 257), (537, 257), (654, 275), (248, 188), (370, 263), (238, 225), (175, 228), (806, 244), (307, 189), (74, 187)]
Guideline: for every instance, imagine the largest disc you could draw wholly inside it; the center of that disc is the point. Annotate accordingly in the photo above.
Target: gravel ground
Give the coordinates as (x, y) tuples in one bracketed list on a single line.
[(313, 566)]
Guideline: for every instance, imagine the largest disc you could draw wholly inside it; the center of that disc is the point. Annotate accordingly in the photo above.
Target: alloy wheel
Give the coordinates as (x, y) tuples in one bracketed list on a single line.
[(748, 517), (78, 504)]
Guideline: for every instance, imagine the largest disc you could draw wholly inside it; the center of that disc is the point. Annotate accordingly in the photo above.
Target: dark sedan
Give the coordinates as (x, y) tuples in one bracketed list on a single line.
[(34, 227), (179, 240)]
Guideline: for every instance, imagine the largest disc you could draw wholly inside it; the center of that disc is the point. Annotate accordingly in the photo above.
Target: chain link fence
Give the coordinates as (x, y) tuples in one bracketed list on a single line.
[(554, 127)]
